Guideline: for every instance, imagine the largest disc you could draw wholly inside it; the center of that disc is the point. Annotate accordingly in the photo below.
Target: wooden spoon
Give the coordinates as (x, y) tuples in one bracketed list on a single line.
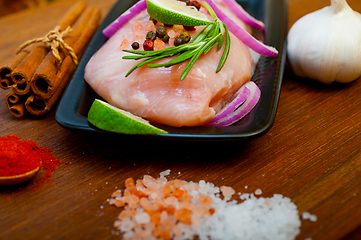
[(8, 180)]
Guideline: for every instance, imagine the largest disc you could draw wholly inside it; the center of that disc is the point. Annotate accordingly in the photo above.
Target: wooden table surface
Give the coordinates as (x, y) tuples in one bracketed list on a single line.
[(311, 154)]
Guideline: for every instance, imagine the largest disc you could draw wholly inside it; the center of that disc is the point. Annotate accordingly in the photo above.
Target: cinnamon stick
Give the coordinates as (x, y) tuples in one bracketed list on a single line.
[(35, 68), (50, 79), (35, 105), (26, 69), (45, 82), (16, 104), (6, 81), (21, 88)]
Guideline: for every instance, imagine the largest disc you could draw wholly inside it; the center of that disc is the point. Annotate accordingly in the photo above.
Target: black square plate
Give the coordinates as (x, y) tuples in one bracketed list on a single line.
[(76, 101)]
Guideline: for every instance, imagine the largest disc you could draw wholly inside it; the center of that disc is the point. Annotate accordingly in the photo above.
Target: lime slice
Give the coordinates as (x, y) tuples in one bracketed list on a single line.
[(109, 118), (175, 12)]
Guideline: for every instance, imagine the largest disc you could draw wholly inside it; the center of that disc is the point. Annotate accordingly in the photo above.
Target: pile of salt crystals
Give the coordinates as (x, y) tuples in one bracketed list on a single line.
[(177, 209)]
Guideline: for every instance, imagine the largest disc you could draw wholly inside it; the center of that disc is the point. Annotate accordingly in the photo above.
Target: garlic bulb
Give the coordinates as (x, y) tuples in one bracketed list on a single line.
[(325, 45)]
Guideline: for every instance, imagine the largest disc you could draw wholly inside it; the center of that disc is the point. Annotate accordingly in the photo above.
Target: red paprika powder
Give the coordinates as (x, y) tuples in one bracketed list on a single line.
[(18, 157)]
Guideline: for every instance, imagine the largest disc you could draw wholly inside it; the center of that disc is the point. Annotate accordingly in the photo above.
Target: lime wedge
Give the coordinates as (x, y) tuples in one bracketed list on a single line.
[(175, 12), (109, 118)]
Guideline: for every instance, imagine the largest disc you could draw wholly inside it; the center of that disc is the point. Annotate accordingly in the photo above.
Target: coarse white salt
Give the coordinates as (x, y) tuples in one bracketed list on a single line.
[(253, 220), (309, 216), (244, 196)]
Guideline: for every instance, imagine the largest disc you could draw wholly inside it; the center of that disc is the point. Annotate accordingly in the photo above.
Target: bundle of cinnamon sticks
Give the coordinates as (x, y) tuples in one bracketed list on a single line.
[(36, 77)]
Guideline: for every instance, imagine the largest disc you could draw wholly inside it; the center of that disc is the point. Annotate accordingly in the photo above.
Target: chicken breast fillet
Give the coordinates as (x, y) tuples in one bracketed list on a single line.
[(158, 94)]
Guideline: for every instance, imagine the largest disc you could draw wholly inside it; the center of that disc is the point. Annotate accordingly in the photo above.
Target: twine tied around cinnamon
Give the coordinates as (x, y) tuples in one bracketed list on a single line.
[(54, 40)]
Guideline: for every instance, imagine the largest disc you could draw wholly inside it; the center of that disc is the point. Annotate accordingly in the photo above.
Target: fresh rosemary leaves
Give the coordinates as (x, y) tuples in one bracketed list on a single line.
[(213, 34)]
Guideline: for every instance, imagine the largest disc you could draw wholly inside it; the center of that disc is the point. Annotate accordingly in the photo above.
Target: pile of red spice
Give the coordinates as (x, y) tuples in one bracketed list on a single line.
[(18, 157)]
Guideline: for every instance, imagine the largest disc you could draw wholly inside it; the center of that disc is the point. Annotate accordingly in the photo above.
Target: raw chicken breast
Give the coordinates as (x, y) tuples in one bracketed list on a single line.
[(157, 94)]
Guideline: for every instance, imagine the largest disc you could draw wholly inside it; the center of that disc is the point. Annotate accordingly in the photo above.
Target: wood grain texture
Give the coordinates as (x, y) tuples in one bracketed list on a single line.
[(311, 154)]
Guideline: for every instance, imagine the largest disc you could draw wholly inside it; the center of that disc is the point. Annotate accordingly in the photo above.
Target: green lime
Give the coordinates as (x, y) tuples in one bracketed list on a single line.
[(175, 12), (109, 118)]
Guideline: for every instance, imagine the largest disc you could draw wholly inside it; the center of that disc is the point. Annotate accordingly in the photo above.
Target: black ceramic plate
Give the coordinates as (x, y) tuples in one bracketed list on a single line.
[(78, 97)]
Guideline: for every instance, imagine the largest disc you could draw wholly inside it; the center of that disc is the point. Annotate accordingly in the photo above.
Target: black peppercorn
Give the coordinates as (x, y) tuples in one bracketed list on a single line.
[(189, 28), (165, 38), (151, 36), (185, 37), (178, 41), (135, 45), (161, 31), (195, 4), (153, 20)]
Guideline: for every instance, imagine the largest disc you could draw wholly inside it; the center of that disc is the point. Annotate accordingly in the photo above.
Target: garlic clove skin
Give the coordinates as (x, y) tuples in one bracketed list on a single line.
[(325, 45)]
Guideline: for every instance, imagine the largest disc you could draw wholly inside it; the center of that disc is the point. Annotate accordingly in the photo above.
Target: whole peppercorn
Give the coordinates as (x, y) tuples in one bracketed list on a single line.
[(148, 45), (165, 38), (150, 36), (153, 20), (189, 28), (185, 37), (178, 41), (135, 45), (195, 4), (161, 31)]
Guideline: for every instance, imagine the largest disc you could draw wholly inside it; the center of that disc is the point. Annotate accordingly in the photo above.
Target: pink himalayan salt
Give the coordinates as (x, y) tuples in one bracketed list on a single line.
[(137, 27), (131, 200), (139, 183), (227, 191), (147, 180), (178, 229), (258, 191), (196, 220), (117, 193), (178, 28), (177, 33), (202, 211), (205, 200), (171, 34), (171, 201), (140, 233), (116, 202), (124, 44), (126, 213), (150, 26), (147, 205), (187, 205), (178, 183), (158, 45)]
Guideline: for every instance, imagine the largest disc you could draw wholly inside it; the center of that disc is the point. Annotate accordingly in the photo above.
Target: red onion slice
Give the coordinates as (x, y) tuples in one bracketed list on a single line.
[(240, 96), (243, 15), (118, 23), (248, 105), (243, 35)]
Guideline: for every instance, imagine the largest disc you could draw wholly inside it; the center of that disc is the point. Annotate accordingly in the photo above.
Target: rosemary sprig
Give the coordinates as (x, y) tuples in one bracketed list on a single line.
[(215, 33)]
